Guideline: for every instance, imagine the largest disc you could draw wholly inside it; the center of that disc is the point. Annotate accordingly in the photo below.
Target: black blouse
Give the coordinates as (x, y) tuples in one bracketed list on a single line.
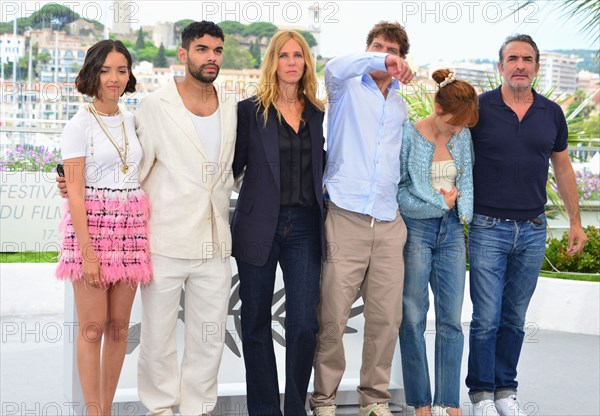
[(295, 156)]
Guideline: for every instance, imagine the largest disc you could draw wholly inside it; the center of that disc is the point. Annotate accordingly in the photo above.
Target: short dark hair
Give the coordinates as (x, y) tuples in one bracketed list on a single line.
[(196, 30), (88, 79), (519, 38), (393, 32)]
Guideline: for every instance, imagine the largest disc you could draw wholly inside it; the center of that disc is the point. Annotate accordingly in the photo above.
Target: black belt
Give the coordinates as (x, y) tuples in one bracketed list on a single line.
[(536, 220)]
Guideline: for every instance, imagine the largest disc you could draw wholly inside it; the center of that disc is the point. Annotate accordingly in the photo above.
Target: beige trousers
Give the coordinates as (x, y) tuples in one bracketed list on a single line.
[(367, 254), (162, 385)]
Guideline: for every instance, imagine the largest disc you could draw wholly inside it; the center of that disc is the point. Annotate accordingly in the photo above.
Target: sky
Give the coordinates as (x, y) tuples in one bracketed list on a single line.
[(443, 30)]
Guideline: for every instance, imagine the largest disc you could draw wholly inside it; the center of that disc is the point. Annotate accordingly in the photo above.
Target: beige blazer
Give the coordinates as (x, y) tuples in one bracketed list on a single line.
[(189, 196)]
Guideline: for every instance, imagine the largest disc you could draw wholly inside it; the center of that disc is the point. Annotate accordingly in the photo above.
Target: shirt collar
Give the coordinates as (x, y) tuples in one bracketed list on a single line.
[(538, 101)]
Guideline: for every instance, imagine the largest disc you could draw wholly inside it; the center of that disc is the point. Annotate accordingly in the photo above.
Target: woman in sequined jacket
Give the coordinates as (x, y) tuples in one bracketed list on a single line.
[(435, 197)]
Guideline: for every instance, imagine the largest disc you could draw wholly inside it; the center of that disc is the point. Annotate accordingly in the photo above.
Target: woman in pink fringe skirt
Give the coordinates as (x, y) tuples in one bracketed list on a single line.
[(105, 249)]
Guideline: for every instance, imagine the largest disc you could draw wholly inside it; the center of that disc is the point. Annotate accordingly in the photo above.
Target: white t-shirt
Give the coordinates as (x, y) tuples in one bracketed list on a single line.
[(103, 170), (209, 132)]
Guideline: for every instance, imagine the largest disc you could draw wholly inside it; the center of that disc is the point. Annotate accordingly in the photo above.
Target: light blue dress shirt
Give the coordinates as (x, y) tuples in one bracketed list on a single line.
[(364, 137)]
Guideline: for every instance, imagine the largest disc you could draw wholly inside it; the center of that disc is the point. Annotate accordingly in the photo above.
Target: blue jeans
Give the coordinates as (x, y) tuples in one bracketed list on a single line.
[(297, 249), (434, 255), (505, 257)]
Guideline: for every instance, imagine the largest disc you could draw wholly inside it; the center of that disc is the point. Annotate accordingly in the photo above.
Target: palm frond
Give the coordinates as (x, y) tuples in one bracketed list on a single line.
[(419, 100), (581, 106), (585, 12)]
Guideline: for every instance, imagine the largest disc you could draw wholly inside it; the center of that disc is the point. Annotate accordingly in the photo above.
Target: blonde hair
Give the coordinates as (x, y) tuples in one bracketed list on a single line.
[(268, 85)]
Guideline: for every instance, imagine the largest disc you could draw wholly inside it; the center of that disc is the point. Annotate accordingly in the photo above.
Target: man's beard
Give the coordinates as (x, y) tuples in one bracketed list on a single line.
[(196, 72), (515, 86)]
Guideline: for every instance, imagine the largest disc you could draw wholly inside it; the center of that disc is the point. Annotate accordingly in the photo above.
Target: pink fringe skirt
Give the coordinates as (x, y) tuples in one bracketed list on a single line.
[(118, 228)]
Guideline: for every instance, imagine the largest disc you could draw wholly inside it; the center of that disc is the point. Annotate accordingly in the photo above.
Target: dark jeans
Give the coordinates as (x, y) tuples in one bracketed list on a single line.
[(296, 247)]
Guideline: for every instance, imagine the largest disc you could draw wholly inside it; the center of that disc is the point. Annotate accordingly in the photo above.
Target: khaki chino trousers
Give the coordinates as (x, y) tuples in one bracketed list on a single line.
[(367, 254)]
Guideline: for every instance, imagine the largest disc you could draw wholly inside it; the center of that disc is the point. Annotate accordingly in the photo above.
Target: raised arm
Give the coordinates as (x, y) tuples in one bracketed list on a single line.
[(345, 67)]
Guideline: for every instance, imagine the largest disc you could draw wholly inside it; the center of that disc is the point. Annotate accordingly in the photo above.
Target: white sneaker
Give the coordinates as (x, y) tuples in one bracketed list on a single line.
[(438, 410), (509, 406), (375, 409), (324, 411), (485, 408)]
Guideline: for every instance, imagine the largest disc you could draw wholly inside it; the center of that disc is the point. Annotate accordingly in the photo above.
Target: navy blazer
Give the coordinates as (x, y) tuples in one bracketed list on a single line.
[(257, 156)]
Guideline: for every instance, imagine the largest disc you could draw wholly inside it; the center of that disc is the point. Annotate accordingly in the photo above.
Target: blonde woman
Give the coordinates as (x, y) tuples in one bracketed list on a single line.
[(279, 220)]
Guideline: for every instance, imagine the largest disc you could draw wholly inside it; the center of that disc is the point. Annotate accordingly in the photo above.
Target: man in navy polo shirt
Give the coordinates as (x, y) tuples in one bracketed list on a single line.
[(518, 132)]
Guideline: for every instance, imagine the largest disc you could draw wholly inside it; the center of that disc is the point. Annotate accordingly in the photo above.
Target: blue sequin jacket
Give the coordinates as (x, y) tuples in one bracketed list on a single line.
[(416, 196)]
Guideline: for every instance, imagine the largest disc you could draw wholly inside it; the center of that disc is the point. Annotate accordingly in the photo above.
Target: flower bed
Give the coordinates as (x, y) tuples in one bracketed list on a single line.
[(30, 159)]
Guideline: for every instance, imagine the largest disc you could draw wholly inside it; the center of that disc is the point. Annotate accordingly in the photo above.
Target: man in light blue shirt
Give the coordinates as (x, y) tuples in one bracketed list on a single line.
[(364, 231), (364, 135)]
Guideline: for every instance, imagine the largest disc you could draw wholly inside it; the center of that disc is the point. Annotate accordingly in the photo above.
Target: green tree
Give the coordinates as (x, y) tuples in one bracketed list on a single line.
[(140, 43), (21, 68), (97, 25), (44, 57), (260, 30), (585, 128), (39, 58), (231, 27), (255, 52), (22, 23), (128, 44), (148, 52), (52, 14), (308, 37), (181, 24), (236, 57), (578, 98), (160, 60)]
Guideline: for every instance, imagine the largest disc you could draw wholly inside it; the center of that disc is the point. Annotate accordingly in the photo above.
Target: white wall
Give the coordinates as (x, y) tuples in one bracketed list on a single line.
[(557, 305)]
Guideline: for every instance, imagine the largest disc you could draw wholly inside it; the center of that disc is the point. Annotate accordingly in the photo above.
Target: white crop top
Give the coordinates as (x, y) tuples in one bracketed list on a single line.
[(443, 175)]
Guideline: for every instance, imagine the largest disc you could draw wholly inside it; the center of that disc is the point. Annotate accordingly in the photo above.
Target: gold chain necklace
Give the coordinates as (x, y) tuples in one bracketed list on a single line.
[(121, 150), (107, 114)]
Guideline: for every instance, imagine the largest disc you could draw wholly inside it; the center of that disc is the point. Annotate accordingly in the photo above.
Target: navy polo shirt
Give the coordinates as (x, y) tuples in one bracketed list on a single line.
[(512, 156)]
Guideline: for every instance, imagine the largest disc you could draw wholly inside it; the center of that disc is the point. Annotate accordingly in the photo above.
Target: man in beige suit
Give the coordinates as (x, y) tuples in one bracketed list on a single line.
[(187, 130)]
